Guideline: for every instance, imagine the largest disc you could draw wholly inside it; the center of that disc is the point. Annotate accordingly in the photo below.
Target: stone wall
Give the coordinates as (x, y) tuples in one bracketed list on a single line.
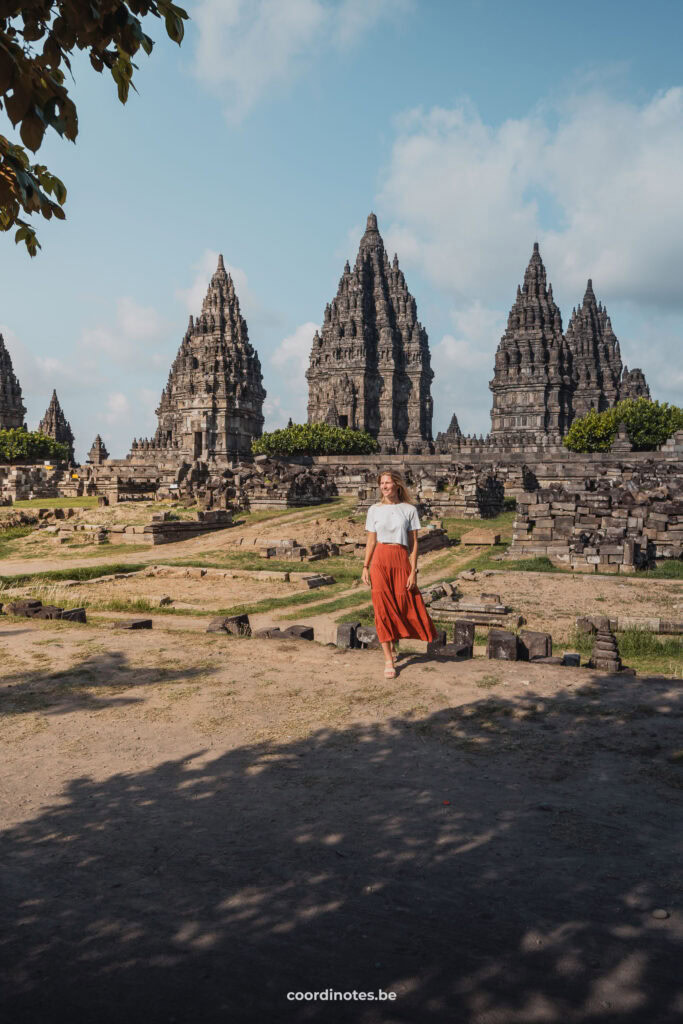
[(21, 483), (619, 524)]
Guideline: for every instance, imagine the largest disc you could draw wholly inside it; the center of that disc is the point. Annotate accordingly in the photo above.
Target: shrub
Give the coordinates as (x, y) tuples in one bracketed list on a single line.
[(647, 423), (19, 445), (315, 439)]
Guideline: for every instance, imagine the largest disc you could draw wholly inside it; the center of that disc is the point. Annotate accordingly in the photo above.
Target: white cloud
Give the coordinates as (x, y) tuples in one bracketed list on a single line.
[(118, 407), (128, 341), (290, 360), (38, 375), (293, 351), (595, 181), (247, 47)]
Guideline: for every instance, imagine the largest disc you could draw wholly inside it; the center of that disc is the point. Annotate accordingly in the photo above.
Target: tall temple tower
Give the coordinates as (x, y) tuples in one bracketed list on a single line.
[(599, 378), (12, 409), (370, 365), (596, 358), (532, 384), (54, 424), (212, 404)]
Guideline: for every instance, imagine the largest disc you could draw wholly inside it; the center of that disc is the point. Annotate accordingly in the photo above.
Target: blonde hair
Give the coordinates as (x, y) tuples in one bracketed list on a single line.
[(403, 492)]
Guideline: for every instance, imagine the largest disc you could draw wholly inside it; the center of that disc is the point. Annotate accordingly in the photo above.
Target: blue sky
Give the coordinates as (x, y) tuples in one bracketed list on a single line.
[(472, 129)]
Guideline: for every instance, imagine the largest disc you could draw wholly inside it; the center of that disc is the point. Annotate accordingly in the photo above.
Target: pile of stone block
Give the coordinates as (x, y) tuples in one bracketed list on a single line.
[(235, 625), (666, 627), (618, 527), (529, 645), (460, 648), (297, 632), (35, 609), (164, 530), (290, 550)]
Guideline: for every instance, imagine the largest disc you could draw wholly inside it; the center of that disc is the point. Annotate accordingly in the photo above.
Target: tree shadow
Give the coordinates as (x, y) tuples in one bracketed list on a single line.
[(494, 863), (75, 688)]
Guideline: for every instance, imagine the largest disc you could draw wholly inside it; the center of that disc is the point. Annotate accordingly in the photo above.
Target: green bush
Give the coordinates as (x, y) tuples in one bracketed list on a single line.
[(23, 446), (647, 423), (315, 439)]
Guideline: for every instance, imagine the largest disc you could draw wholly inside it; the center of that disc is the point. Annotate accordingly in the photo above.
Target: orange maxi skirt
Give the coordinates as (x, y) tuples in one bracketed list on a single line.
[(399, 613)]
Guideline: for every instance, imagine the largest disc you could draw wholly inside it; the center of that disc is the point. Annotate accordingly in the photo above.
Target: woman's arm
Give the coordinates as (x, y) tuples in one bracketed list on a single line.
[(369, 549), (412, 578)]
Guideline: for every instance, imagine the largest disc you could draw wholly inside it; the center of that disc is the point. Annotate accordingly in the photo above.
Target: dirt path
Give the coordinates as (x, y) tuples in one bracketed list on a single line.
[(193, 830)]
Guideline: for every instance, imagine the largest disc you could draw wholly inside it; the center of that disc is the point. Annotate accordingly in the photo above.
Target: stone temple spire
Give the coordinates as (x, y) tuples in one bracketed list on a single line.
[(595, 355), (599, 378), (55, 425), (370, 364), (12, 409), (531, 384), (212, 404), (98, 453)]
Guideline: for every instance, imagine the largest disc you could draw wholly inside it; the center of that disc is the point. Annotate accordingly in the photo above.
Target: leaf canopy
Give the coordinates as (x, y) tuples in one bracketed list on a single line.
[(37, 39)]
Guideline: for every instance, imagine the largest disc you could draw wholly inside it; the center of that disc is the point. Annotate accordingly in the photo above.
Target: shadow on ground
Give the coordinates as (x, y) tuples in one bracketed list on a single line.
[(93, 684), (461, 860)]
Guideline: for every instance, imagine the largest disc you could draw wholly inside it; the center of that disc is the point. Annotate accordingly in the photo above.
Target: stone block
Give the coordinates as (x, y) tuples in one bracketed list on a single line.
[(346, 634), (48, 611), (299, 632), (271, 633), (74, 615), (319, 580), (28, 608), (571, 659), (238, 625), (366, 637), (486, 537), (454, 652), (463, 633), (502, 645), (534, 645), (134, 624)]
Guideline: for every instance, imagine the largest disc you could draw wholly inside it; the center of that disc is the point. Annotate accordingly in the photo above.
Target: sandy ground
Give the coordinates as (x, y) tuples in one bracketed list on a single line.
[(194, 826), (191, 830)]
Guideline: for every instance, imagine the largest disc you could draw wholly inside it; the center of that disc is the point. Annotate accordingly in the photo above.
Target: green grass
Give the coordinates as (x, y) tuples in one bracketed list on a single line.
[(9, 535), (332, 606), (365, 615), (85, 572), (671, 569), (502, 524), (57, 503), (343, 568), (640, 649), (326, 509)]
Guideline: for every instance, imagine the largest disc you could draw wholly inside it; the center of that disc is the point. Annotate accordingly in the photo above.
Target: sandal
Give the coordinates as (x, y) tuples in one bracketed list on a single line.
[(389, 672)]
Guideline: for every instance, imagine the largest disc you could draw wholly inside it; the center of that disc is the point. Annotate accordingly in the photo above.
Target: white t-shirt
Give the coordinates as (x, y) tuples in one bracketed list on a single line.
[(391, 523)]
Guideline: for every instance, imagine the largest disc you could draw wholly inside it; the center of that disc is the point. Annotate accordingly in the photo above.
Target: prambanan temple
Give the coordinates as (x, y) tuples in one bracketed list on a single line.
[(370, 370), (370, 366)]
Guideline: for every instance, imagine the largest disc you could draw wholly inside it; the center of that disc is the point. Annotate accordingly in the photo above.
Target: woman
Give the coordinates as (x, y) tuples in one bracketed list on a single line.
[(391, 549)]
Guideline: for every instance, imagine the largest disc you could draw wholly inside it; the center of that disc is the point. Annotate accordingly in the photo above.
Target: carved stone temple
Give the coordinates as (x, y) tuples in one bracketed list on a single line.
[(544, 379), (54, 423), (213, 401), (12, 409), (370, 364)]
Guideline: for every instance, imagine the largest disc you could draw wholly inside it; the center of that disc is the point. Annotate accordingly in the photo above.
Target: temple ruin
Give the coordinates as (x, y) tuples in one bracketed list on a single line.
[(55, 425), (544, 379), (370, 365), (212, 405), (12, 409)]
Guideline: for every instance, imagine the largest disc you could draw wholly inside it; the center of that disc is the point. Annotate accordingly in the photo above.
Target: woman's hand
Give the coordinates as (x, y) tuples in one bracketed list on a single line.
[(365, 576), (412, 580)]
